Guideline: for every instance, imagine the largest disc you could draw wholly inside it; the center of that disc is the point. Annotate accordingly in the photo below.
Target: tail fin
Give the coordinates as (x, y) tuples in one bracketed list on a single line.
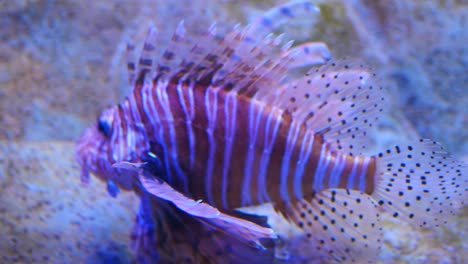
[(420, 183)]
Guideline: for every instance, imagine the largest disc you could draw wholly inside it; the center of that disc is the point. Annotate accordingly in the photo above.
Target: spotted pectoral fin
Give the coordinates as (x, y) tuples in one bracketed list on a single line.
[(339, 225)]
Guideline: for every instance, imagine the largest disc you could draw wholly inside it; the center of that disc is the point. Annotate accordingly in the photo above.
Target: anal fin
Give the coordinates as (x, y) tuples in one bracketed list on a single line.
[(339, 225)]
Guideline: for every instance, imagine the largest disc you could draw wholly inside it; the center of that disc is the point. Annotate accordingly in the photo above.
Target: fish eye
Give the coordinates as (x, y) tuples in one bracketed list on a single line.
[(103, 127)]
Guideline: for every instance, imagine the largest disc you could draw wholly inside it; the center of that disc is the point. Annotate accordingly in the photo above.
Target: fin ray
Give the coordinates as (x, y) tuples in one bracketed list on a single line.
[(339, 98), (421, 183), (244, 229), (244, 59), (339, 225)]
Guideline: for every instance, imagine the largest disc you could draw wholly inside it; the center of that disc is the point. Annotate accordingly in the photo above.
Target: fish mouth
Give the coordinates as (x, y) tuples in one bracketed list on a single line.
[(84, 175), (91, 154), (81, 159), (90, 163), (86, 152)]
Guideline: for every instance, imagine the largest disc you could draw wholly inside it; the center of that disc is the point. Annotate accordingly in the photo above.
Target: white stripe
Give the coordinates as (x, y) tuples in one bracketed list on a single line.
[(191, 111), (352, 175), (120, 138), (362, 177), (150, 111), (163, 100), (321, 168), (130, 136), (338, 166), (255, 113), (303, 158), (270, 139), (191, 100), (230, 113), (293, 132), (165, 105), (188, 121), (149, 107), (137, 125), (115, 135), (211, 104)]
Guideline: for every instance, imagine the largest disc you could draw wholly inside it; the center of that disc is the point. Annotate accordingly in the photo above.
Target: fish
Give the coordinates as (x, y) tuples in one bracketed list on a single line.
[(218, 123)]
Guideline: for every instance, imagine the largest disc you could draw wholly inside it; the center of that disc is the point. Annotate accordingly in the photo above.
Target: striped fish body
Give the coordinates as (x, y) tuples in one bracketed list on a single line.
[(234, 151), (217, 118)]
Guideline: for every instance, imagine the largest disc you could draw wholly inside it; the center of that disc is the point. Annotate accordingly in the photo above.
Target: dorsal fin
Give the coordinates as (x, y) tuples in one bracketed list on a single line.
[(232, 60), (245, 59), (131, 66), (137, 71), (236, 61), (340, 98)]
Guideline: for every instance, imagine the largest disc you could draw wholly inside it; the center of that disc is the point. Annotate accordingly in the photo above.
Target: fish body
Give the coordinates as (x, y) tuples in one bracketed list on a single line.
[(218, 120), (234, 151)]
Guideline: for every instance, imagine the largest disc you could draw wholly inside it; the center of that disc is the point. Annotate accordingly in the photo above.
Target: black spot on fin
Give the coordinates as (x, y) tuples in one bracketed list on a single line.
[(339, 226), (421, 183)]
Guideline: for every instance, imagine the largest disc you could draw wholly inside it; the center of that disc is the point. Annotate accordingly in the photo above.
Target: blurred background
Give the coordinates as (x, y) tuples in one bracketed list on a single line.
[(62, 62)]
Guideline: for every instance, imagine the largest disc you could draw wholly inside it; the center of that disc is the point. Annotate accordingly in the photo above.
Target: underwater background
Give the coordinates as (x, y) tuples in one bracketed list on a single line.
[(62, 62)]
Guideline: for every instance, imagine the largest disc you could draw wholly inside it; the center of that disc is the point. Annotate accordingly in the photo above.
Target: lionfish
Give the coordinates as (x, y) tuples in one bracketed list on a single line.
[(217, 123)]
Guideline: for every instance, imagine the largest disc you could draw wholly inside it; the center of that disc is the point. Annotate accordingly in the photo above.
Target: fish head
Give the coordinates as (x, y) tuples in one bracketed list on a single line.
[(96, 151)]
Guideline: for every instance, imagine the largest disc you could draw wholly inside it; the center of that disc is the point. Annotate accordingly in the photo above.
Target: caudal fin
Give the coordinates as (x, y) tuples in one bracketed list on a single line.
[(420, 183)]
